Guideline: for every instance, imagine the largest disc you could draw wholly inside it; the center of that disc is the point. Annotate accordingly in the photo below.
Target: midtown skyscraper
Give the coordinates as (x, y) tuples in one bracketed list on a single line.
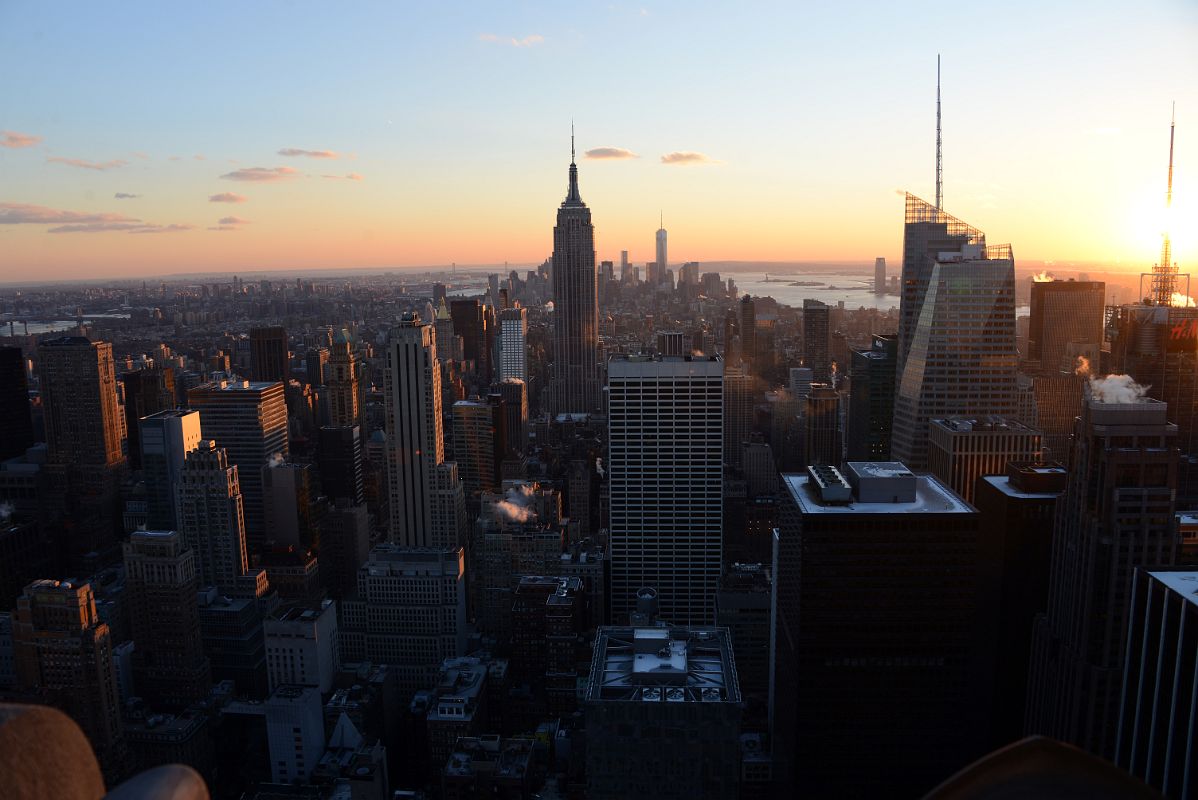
[(575, 386), (342, 383), (1116, 514), (961, 358), (666, 423), (209, 507), (427, 501)]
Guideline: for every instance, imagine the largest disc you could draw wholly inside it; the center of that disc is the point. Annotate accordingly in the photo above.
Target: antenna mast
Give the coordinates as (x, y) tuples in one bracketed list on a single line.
[(1164, 275), (939, 158)]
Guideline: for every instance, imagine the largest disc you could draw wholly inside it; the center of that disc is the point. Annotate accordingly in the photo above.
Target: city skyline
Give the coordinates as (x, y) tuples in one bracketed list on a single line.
[(360, 166)]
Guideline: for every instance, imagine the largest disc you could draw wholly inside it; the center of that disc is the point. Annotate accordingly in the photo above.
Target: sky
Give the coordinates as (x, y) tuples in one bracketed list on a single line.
[(144, 139)]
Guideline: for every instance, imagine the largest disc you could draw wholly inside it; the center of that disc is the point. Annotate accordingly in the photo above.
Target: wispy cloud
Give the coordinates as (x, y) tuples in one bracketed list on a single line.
[(609, 153), (227, 197), (126, 196), (141, 155), (296, 152), (686, 158), (84, 164), (233, 221), (26, 214), (527, 41), (353, 176), (125, 227), (14, 139), (261, 174), (223, 228)]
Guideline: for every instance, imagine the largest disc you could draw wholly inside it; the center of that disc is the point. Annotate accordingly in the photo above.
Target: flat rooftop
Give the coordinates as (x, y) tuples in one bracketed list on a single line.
[(663, 665), (931, 497), (1004, 485), (1185, 583)]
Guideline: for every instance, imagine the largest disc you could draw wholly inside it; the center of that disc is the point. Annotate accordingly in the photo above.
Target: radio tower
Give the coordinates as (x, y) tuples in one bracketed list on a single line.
[(939, 160), (1164, 274)]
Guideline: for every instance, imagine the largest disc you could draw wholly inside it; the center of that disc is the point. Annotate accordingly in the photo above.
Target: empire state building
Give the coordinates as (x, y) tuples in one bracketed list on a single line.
[(575, 386)]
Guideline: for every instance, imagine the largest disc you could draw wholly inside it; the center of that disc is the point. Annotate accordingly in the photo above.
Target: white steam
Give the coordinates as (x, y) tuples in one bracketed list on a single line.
[(515, 507), (599, 467), (276, 460), (1117, 389), (6, 511), (1083, 366), (1042, 277)]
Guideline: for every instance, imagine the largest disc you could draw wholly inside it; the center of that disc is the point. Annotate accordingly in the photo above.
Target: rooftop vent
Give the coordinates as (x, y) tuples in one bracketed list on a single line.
[(830, 484)]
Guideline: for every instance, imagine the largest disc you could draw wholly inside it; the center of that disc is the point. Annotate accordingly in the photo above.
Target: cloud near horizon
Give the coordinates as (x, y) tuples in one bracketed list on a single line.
[(232, 221), (353, 176), (609, 154), (85, 164), (26, 214), (295, 151), (687, 157), (527, 41), (126, 227), (14, 139), (261, 174), (227, 197), (126, 196)]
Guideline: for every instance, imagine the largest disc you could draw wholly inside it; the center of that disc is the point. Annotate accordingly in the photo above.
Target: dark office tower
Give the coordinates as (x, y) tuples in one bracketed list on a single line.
[(871, 400), (339, 460), (288, 497), (166, 439), (316, 362), (170, 669), (928, 232), (962, 359), (743, 605), (426, 497), (467, 317), (666, 500), (344, 546), (515, 404), (549, 621), (962, 450), (438, 293), (269, 357), (84, 462), (249, 420), (575, 382), (1158, 347), (1116, 514), (209, 508), (16, 424), (1058, 400), (823, 425), (645, 682), (147, 391), (738, 412), (816, 321), (1158, 718), (479, 445), (1066, 322), (885, 705), (879, 276), (62, 653), (747, 325), (1015, 538)]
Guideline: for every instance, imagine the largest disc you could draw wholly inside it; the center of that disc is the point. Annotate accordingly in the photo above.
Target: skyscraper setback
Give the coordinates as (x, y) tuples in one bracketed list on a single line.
[(575, 305)]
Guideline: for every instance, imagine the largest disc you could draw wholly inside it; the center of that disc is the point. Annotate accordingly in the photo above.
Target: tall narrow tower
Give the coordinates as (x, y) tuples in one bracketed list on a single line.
[(939, 157), (575, 304), (661, 249)]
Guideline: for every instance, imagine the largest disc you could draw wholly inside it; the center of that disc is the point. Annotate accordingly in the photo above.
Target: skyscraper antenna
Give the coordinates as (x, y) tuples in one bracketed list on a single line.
[(571, 141), (939, 158), (661, 218), (1164, 275)]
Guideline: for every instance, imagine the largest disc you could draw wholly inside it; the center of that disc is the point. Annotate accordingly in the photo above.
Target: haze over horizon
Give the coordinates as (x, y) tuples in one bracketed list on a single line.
[(281, 137)]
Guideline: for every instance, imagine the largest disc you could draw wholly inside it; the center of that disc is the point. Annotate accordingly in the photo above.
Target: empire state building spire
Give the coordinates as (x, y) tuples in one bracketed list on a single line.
[(572, 196), (575, 378)]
